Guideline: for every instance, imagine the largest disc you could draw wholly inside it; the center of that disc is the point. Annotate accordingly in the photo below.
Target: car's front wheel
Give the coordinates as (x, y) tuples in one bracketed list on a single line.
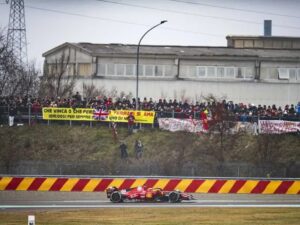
[(174, 196), (116, 197)]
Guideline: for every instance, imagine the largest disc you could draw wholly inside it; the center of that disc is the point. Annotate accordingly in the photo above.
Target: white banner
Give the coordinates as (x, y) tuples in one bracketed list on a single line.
[(250, 128), (278, 126), (189, 125)]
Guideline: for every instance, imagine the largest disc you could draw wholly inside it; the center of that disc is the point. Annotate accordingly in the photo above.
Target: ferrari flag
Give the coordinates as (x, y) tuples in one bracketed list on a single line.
[(89, 114)]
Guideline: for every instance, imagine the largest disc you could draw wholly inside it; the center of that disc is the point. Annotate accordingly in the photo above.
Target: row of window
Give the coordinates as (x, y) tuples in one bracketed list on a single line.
[(289, 73), (217, 72), (109, 69), (222, 72), (82, 69)]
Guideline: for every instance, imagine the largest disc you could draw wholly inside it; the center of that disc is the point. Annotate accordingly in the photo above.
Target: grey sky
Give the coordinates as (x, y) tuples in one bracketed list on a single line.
[(190, 22)]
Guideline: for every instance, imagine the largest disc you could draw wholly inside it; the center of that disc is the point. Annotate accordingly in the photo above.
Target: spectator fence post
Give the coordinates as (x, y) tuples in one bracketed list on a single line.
[(91, 124), (70, 123), (7, 119), (29, 114), (173, 114)]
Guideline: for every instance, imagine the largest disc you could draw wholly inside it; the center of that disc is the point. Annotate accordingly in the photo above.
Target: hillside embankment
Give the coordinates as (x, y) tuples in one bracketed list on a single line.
[(80, 150)]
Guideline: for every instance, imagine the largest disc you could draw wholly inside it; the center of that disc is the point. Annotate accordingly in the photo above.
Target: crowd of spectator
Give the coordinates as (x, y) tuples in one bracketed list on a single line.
[(163, 107)]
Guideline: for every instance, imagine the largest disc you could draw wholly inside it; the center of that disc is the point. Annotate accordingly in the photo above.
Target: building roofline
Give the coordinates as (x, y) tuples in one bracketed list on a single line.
[(260, 37), (75, 45)]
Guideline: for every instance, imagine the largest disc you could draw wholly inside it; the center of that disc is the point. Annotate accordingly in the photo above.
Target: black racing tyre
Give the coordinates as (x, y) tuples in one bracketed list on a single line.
[(158, 198), (116, 197), (174, 197)]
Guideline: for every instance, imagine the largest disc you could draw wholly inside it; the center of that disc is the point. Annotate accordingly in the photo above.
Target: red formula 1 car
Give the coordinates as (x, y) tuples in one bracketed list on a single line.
[(146, 194)]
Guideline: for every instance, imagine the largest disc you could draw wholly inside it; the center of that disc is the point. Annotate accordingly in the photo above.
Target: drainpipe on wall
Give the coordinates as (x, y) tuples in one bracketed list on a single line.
[(257, 70), (177, 61), (96, 71)]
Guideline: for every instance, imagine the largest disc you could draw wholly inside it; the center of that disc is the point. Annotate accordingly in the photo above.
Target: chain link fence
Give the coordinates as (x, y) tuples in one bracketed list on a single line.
[(150, 168)]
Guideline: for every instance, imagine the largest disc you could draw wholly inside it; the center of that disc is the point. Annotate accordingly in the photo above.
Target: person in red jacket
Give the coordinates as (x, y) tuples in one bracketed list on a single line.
[(203, 117), (131, 120)]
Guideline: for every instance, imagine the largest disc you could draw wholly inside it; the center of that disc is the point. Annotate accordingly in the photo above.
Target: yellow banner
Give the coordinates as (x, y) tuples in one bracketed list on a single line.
[(88, 114)]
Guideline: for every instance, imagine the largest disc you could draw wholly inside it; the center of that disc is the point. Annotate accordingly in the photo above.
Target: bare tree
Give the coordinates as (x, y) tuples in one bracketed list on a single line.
[(55, 81)]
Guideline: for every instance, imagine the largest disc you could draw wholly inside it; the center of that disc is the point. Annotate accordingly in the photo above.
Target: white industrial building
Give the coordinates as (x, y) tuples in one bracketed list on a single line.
[(251, 69)]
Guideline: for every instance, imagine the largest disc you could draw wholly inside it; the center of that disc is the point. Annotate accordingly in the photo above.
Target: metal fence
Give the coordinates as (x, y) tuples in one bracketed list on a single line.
[(25, 115), (150, 168)]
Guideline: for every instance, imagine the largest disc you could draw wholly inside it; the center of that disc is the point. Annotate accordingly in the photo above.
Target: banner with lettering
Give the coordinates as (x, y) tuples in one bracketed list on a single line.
[(189, 125), (89, 114), (278, 126)]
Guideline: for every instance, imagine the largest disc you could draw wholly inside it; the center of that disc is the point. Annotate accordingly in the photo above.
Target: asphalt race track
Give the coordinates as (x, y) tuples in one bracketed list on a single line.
[(12, 200)]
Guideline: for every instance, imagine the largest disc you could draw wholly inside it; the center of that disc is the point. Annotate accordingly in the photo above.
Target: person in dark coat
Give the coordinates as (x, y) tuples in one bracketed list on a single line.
[(123, 150)]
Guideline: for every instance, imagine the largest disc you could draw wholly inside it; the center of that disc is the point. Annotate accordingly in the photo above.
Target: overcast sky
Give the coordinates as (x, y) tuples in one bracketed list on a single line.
[(190, 22)]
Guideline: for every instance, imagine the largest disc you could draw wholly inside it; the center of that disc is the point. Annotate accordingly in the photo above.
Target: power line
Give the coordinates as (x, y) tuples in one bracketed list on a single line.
[(197, 14), (237, 9), (118, 21), (82, 15)]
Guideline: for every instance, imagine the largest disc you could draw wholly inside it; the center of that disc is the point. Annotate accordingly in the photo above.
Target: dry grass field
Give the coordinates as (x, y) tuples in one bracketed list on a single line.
[(156, 216)]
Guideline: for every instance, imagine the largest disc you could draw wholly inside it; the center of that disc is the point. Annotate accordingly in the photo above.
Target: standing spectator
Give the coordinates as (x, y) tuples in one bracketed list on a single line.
[(298, 109), (11, 115), (36, 109), (292, 111), (131, 120), (138, 147), (123, 150), (77, 97)]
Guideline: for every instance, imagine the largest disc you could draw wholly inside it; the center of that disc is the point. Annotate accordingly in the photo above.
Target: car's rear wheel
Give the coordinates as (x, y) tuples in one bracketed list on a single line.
[(116, 197), (174, 196)]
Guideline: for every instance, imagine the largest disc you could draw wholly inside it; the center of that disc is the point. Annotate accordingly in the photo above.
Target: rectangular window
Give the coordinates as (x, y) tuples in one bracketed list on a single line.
[(141, 70), (130, 69), (120, 69), (220, 72), (211, 72), (101, 69), (84, 69), (110, 69), (283, 73), (293, 74), (201, 71), (230, 72), (159, 71), (168, 71), (149, 70)]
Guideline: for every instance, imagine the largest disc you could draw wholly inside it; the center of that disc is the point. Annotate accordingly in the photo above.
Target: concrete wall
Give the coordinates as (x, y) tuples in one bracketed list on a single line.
[(245, 92)]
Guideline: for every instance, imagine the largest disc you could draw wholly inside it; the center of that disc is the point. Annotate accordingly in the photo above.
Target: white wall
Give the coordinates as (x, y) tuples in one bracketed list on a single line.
[(244, 92)]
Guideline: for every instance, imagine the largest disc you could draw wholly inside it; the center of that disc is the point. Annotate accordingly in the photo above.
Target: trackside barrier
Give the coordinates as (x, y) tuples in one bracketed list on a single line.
[(193, 185)]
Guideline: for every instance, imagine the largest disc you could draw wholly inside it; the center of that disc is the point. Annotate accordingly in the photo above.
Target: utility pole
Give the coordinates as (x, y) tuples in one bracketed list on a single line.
[(16, 35)]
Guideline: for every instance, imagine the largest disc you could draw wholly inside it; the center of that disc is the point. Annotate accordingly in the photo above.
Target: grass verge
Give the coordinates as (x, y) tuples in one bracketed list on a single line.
[(154, 216)]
